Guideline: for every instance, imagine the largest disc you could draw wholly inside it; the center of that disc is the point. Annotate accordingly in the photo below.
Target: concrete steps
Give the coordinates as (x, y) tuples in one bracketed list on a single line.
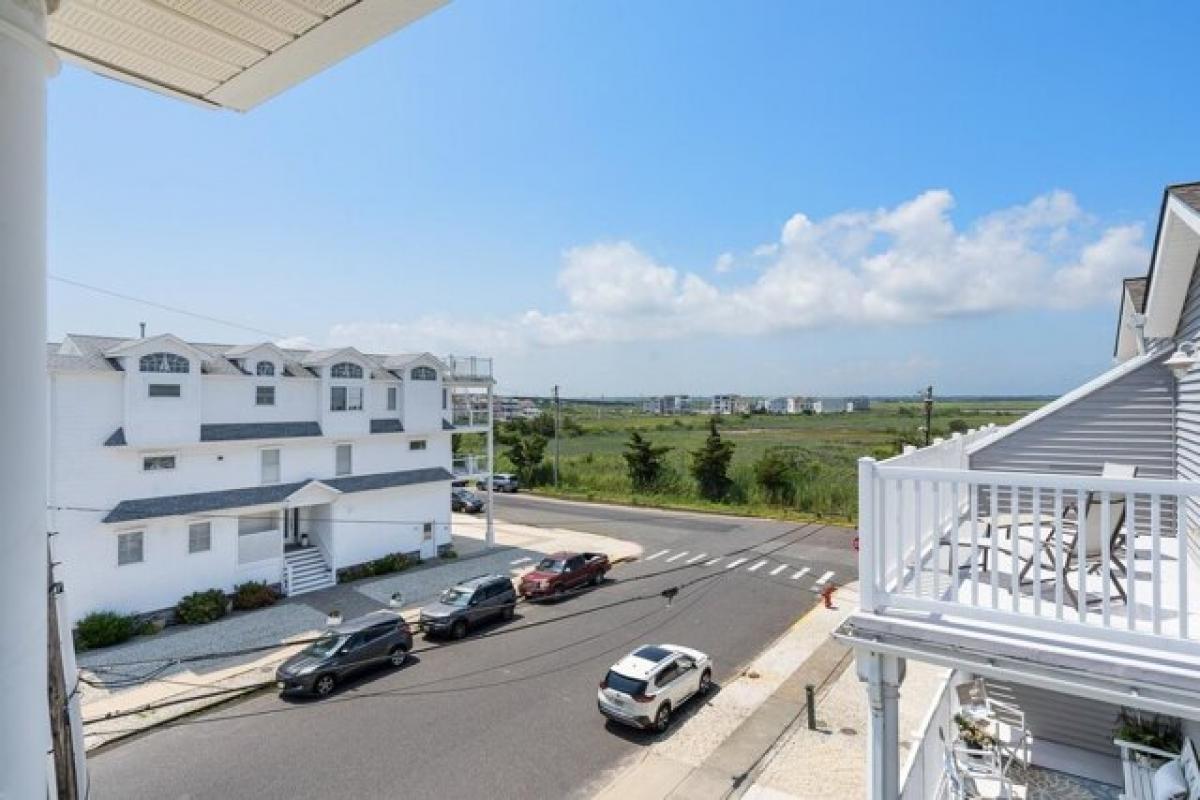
[(309, 571)]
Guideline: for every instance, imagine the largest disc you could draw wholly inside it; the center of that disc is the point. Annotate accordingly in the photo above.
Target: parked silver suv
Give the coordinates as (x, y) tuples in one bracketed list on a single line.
[(468, 604), (381, 637)]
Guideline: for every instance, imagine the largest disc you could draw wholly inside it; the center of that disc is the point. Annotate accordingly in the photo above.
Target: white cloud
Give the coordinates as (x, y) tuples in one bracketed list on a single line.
[(891, 266)]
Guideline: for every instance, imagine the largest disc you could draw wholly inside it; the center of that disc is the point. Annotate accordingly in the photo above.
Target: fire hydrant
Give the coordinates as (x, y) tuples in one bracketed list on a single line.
[(827, 594)]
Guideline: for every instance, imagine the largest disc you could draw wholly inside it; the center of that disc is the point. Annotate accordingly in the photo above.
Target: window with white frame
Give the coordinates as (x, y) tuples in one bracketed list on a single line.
[(269, 465), (265, 368), (163, 390), (417, 444), (392, 398), (345, 398), (427, 531), (163, 362), (345, 369), (343, 459), (155, 463), (199, 537), (264, 395), (130, 548), (423, 373)]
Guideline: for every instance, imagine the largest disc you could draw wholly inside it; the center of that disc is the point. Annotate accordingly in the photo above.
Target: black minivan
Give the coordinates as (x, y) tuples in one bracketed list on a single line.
[(381, 637)]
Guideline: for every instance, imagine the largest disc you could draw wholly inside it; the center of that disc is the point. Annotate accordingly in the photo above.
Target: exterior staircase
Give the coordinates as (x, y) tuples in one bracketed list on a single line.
[(308, 571)]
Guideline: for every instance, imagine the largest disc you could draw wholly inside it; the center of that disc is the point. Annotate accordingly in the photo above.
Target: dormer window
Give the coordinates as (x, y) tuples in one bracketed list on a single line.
[(423, 373), (265, 368), (345, 369), (163, 362)]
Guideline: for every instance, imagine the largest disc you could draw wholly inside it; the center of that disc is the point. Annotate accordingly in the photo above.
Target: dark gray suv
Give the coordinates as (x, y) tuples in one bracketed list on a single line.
[(468, 604), (381, 637)]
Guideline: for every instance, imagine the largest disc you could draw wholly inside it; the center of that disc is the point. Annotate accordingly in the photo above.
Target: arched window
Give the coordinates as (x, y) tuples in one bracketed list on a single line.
[(265, 368), (163, 362), (344, 369), (423, 374)]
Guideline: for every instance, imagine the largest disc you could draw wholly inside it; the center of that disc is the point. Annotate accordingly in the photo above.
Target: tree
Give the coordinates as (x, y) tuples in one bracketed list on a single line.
[(776, 475), (710, 464), (526, 453), (644, 462)]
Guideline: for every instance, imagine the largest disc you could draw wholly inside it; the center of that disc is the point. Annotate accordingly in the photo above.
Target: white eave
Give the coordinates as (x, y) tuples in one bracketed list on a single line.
[(152, 343), (222, 53), (1174, 259)]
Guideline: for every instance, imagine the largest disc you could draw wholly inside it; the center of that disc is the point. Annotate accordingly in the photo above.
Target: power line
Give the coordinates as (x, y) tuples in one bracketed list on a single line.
[(164, 307)]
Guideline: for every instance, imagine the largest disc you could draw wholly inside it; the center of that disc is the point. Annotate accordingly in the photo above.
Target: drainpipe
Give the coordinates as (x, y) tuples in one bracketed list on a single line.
[(26, 61), (883, 676)]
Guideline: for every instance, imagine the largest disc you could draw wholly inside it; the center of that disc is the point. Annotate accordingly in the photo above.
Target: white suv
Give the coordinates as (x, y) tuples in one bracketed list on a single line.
[(644, 687)]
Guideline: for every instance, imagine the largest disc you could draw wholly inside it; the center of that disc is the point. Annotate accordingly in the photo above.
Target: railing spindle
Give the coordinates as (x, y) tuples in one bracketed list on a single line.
[(1014, 536), (936, 553), (994, 541), (918, 535), (1155, 564), (1060, 572), (973, 500), (1131, 560), (1105, 557), (1036, 555), (1081, 526), (1182, 547)]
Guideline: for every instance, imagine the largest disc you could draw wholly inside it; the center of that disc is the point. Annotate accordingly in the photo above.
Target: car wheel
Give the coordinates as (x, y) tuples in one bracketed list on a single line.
[(595, 581), (705, 681), (558, 593), (509, 611), (662, 720), (459, 630), (397, 656), (324, 685)]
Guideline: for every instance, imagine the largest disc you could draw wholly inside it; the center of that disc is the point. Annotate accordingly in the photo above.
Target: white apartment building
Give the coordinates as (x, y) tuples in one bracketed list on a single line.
[(1052, 569), (723, 404), (177, 466)]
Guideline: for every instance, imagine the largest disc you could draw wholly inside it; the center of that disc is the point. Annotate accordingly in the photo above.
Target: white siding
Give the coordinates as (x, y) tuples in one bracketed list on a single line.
[(1187, 410)]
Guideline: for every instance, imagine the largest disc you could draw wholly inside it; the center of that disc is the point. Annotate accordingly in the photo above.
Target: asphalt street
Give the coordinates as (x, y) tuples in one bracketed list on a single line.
[(509, 713)]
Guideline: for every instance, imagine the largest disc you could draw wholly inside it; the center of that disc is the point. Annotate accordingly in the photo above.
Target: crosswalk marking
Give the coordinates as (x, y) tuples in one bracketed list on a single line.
[(521, 561), (800, 573), (821, 581), (779, 569), (710, 563), (757, 566), (656, 555), (677, 556), (694, 559), (737, 562)]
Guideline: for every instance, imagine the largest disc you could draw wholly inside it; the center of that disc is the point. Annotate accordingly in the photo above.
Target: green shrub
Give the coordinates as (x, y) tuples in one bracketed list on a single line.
[(103, 629), (253, 594), (449, 553), (201, 607), (385, 565)]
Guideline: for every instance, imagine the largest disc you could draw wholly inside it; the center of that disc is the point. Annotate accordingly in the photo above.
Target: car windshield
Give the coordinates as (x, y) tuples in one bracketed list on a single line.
[(623, 684), (457, 596), (326, 646), (551, 565)]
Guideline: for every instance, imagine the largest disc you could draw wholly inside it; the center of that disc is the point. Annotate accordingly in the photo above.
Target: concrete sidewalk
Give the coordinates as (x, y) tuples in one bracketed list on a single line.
[(185, 688)]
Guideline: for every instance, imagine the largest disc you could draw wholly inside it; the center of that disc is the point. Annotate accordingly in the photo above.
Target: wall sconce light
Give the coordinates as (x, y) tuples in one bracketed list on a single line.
[(1182, 360)]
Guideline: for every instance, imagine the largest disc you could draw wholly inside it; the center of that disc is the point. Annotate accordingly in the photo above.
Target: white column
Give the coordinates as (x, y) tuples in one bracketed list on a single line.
[(883, 676), (25, 62), (491, 470)]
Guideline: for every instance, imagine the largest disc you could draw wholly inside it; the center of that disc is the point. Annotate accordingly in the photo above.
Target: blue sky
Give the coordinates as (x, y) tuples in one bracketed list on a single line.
[(608, 195)]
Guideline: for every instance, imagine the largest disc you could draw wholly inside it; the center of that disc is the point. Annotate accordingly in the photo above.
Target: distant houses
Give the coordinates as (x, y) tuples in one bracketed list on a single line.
[(727, 404)]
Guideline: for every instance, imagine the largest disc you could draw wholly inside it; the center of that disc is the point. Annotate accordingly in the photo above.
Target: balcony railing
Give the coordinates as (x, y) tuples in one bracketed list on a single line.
[(469, 368), (469, 465), (1081, 555), (469, 417)]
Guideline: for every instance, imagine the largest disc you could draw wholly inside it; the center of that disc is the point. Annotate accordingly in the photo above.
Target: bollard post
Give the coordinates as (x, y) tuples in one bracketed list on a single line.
[(810, 700)]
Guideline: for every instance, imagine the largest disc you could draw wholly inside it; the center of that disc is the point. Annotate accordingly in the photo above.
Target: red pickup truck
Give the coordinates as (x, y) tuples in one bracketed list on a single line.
[(559, 573)]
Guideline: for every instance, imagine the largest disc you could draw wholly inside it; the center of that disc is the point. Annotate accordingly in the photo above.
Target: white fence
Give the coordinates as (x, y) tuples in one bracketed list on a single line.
[(1049, 551), (469, 465), (469, 417), (925, 770), (469, 367)]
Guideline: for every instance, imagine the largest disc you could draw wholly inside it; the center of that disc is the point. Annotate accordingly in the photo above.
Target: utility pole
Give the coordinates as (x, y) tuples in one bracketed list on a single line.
[(61, 733), (557, 422), (928, 415)]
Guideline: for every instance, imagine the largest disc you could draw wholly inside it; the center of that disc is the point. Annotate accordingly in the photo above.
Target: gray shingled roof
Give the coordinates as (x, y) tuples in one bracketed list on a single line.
[(201, 502), (1188, 193), (233, 431), (386, 426)]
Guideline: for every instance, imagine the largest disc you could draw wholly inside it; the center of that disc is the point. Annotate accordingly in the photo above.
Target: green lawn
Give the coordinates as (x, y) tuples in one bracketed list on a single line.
[(825, 445)]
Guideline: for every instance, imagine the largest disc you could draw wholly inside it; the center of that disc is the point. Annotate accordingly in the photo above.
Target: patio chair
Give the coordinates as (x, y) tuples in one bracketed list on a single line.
[(1045, 534), (974, 774), (1005, 721)]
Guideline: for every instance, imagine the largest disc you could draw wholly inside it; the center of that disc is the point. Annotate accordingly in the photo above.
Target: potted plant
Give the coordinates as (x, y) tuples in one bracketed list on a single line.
[(1150, 730), (973, 734)]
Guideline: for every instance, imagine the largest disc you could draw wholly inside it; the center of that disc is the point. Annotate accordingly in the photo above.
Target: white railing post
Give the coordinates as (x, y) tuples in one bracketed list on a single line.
[(867, 531)]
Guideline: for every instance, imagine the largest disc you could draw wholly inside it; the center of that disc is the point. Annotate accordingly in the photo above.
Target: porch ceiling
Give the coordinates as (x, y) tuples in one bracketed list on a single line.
[(223, 53)]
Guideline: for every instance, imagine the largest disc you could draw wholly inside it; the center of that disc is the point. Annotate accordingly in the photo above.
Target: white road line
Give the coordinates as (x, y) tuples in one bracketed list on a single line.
[(677, 556), (800, 573), (824, 578), (710, 563), (656, 555), (694, 559), (736, 563), (520, 561), (757, 566), (779, 569)]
